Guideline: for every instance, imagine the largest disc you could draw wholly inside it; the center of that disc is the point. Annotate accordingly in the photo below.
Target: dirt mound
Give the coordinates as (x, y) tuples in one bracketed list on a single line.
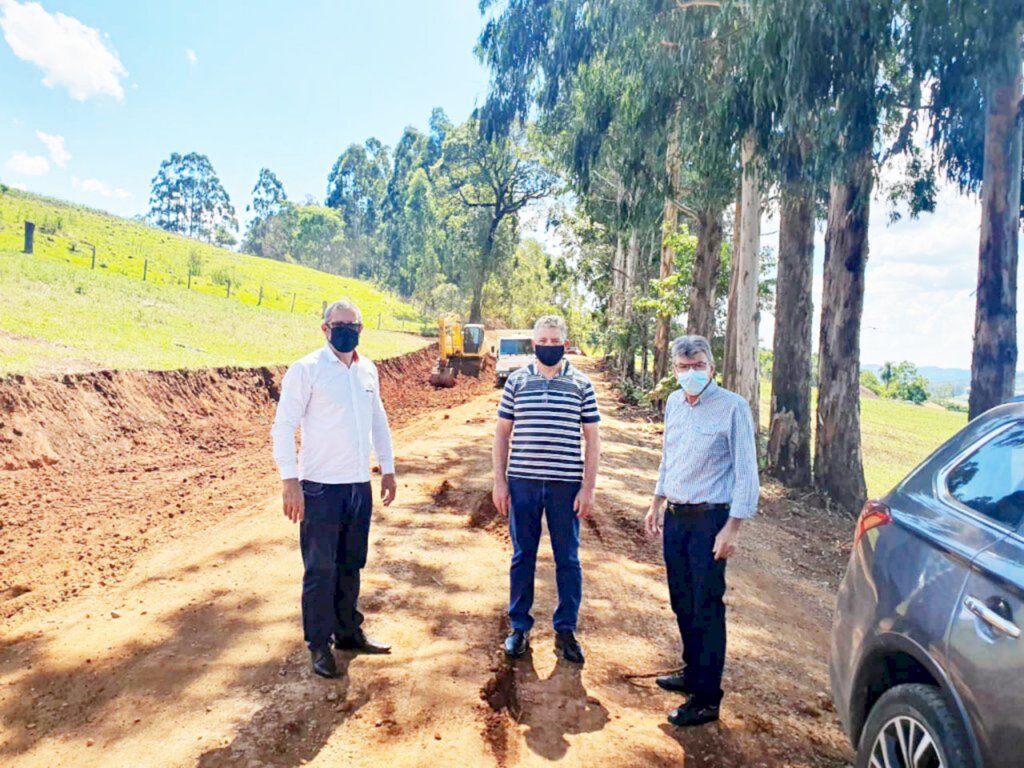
[(95, 467)]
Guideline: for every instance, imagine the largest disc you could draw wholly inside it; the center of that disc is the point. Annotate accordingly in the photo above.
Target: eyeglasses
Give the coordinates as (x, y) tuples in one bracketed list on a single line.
[(684, 367), (350, 326)]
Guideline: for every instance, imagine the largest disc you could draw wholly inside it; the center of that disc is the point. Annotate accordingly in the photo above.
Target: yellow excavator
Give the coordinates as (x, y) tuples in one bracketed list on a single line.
[(461, 350)]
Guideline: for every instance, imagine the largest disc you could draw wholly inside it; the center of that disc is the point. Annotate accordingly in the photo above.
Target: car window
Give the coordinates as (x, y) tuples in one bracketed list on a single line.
[(991, 479)]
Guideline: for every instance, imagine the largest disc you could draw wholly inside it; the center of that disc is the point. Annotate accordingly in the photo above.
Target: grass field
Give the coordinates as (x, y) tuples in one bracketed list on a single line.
[(895, 436), (57, 314)]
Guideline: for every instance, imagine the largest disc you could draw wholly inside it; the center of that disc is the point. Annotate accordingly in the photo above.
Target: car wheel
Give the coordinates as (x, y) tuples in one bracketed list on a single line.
[(911, 726)]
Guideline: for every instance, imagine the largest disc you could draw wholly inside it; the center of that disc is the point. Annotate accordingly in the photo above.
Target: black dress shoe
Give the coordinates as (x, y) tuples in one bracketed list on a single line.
[(358, 641), (675, 683), (517, 644), (323, 662), (568, 646), (693, 712)]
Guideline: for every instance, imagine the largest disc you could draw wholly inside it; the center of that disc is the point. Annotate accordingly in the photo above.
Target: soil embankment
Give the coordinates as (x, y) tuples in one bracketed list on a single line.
[(96, 468)]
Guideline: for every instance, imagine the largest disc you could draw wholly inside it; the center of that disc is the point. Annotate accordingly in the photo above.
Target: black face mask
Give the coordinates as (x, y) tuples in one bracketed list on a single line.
[(344, 339), (550, 354)]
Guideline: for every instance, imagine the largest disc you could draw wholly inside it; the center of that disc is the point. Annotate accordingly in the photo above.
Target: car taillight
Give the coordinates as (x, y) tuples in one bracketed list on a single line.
[(874, 514)]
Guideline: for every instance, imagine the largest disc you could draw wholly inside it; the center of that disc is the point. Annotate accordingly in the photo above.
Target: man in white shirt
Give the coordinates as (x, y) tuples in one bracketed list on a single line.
[(334, 395)]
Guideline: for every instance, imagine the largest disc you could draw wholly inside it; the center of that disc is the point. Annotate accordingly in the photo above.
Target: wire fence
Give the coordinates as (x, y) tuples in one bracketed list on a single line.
[(220, 278)]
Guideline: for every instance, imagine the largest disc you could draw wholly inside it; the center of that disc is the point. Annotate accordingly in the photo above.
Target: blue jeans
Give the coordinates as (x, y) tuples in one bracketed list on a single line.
[(530, 500), (333, 536), (696, 587)]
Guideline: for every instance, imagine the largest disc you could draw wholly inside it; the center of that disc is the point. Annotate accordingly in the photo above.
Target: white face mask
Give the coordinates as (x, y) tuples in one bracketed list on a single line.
[(693, 382)]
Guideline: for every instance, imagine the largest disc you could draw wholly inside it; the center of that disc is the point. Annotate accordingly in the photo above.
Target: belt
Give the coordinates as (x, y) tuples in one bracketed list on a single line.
[(690, 509)]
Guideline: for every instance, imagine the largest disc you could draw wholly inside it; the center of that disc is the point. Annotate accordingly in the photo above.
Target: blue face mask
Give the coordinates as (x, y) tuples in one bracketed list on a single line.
[(693, 382)]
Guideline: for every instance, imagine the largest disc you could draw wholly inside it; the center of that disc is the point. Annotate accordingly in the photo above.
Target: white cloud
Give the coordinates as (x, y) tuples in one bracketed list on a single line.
[(101, 188), (190, 56), (55, 145), (18, 185), (24, 164), (71, 55)]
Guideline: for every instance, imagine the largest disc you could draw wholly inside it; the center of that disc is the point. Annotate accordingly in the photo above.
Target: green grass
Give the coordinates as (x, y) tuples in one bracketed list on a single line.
[(57, 314), (895, 436)]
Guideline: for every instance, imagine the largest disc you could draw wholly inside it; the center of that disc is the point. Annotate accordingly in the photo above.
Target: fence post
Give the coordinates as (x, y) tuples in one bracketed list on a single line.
[(30, 235), (229, 288), (189, 286), (378, 320), (293, 302), (323, 308), (145, 269), (93, 247), (260, 301)]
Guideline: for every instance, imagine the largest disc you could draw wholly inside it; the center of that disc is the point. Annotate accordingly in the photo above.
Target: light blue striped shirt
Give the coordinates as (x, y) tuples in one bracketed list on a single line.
[(709, 454)]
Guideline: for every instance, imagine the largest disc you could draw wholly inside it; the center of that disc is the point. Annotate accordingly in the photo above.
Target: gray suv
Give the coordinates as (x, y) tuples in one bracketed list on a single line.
[(927, 663)]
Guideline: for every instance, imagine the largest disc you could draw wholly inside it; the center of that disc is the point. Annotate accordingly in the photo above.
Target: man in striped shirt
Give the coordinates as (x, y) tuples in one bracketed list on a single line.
[(708, 476), (544, 409)]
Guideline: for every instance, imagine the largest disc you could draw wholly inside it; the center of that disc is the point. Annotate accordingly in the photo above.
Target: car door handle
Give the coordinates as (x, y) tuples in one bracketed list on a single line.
[(990, 617)]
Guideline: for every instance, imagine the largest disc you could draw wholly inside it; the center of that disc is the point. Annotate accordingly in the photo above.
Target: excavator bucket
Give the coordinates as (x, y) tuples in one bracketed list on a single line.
[(442, 376)]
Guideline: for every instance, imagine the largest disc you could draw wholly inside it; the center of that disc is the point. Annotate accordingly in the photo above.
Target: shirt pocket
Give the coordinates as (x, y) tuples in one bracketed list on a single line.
[(714, 435)]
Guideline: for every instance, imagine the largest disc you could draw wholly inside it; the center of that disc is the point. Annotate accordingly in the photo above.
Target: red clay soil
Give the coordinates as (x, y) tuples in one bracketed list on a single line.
[(73, 448)]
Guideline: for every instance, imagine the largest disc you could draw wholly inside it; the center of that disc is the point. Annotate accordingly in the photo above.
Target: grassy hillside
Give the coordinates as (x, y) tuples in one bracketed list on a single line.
[(57, 314), (895, 436)]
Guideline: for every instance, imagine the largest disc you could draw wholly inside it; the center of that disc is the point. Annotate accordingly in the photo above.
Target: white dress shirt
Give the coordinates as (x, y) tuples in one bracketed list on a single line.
[(342, 418)]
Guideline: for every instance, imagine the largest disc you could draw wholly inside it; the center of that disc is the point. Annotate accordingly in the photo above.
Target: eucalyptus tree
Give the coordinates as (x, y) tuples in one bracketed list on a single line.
[(544, 55), (268, 196), (495, 179), (356, 188), (969, 54), (187, 197)]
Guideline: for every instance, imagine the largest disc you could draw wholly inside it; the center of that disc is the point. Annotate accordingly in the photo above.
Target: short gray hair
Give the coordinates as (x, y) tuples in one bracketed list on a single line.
[(343, 304), (691, 346), (552, 321)]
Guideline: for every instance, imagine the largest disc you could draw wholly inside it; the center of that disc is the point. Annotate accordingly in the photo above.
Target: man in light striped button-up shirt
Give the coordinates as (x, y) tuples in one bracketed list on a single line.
[(708, 477)]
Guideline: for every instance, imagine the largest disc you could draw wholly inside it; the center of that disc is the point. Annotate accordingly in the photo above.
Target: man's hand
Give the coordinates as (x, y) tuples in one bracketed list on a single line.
[(293, 500), (584, 503), (725, 541), (388, 489), (501, 497), (652, 521)]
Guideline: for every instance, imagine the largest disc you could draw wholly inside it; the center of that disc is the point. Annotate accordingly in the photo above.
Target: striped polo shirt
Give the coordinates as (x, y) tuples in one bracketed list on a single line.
[(546, 435)]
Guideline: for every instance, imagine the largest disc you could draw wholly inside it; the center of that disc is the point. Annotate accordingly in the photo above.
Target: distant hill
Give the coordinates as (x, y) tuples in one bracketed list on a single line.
[(58, 314), (960, 378)]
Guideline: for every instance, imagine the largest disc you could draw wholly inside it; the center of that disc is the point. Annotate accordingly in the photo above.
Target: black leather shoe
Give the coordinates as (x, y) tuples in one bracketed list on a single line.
[(568, 646), (692, 713), (323, 662), (675, 683), (517, 644), (358, 641)]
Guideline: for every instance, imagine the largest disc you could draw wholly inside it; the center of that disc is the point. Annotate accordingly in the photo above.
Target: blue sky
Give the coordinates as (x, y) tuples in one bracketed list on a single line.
[(282, 85), (94, 95)]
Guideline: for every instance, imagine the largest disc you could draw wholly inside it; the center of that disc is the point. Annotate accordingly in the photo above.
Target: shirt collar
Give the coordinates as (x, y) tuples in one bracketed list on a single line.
[(563, 372), (330, 357)]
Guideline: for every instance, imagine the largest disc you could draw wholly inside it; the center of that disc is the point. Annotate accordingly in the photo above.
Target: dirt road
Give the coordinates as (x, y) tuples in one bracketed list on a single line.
[(195, 656)]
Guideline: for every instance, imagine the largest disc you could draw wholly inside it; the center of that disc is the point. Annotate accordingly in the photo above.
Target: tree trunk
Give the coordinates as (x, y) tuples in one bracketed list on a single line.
[(789, 435), (476, 313), (670, 219), (742, 363), (629, 275), (994, 362), (700, 319), (838, 464)]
